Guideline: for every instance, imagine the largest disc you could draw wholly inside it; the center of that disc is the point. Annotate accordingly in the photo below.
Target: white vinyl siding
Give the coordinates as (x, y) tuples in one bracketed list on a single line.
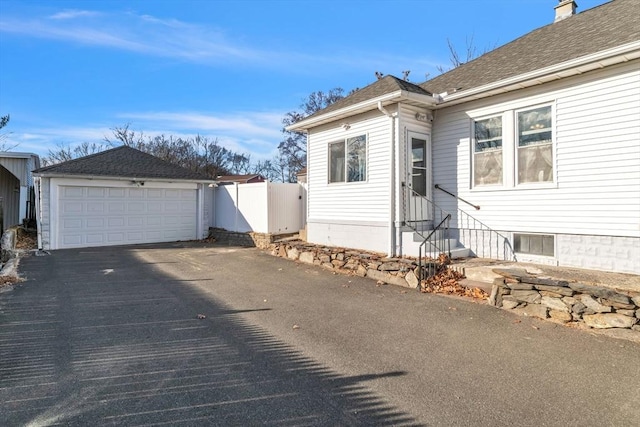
[(597, 158), (350, 201)]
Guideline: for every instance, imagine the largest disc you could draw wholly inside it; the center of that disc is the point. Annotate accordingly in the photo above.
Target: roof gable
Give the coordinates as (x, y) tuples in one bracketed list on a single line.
[(122, 162), (389, 87), (384, 86), (603, 27)]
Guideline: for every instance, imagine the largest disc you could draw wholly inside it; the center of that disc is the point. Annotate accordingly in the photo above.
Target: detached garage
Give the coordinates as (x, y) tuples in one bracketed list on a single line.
[(118, 197)]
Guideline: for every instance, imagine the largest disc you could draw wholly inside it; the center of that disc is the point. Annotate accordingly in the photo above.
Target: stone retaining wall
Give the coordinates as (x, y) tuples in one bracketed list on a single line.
[(8, 244), (395, 271), (251, 239), (562, 301)]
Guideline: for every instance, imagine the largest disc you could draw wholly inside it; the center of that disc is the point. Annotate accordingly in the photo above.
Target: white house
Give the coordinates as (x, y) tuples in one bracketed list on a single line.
[(120, 196), (532, 148)]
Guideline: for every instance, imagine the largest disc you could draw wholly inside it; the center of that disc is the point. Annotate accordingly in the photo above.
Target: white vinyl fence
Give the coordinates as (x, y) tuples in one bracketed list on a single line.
[(262, 207)]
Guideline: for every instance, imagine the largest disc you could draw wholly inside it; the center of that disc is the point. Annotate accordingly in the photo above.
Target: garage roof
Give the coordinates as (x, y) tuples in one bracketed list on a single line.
[(122, 162)]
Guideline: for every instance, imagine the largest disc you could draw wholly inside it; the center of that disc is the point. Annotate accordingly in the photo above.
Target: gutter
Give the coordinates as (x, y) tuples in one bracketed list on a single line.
[(367, 105), (392, 192), (122, 178)]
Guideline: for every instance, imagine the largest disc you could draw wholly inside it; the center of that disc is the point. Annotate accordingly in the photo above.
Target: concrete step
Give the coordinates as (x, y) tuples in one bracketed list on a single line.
[(475, 284)]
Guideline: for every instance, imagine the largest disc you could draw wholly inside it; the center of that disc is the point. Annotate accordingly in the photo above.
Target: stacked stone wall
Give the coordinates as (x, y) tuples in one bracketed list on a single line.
[(566, 302), (394, 271), (251, 239)]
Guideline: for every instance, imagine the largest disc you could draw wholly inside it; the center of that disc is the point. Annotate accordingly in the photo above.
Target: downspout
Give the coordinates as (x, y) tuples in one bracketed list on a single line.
[(36, 187), (200, 213), (392, 188)]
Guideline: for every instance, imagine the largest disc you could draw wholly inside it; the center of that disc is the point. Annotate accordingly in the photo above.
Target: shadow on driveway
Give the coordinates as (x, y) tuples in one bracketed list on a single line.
[(81, 344)]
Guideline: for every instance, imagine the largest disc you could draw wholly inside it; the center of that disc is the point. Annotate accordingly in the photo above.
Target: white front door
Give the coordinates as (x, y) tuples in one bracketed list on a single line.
[(419, 177)]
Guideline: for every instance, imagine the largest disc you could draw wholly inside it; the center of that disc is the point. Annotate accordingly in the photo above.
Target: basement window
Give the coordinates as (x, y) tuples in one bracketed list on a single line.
[(534, 244)]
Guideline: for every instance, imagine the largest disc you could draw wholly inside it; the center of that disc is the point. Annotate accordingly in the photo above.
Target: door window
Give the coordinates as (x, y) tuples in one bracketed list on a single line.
[(418, 166)]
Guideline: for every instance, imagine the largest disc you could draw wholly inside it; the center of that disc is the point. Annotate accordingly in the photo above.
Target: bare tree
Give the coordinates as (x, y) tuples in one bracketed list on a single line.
[(470, 52), (293, 149), (199, 154), (63, 153), (4, 146)]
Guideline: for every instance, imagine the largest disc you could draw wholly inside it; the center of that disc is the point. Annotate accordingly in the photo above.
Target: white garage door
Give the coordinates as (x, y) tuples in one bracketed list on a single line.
[(102, 216)]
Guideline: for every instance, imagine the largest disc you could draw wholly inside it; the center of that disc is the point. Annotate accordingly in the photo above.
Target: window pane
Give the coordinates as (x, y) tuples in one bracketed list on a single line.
[(534, 127), (547, 245), (535, 164), (488, 134), (336, 162), (357, 159), (418, 168), (487, 168), (487, 158), (534, 244)]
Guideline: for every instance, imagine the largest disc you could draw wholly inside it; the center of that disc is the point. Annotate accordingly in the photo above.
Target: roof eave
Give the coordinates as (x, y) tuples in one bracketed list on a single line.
[(605, 58), (119, 178), (361, 107), (16, 155)]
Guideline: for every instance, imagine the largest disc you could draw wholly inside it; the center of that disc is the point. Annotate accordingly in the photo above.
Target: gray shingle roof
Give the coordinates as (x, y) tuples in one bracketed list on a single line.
[(122, 162), (387, 84), (594, 30)]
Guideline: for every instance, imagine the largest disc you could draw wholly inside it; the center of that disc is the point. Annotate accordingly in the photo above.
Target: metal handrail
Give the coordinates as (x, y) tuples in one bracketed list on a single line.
[(437, 186), (444, 245), (481, 239), (472, 231)]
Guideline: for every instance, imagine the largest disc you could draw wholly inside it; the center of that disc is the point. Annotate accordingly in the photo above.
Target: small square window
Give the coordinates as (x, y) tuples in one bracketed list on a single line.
[(348, 160), (534, 244)]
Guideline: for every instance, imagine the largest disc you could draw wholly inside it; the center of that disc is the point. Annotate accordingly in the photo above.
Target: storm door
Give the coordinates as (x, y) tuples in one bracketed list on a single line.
[(419, 177)]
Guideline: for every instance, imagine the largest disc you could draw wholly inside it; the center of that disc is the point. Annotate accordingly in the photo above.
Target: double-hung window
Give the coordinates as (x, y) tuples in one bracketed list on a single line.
[(348, 160), (487, 151), (535, 145), (513, 148)]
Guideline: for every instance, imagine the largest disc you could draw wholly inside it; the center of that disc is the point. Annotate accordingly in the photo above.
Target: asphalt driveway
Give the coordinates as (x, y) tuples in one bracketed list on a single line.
[(113, 336)]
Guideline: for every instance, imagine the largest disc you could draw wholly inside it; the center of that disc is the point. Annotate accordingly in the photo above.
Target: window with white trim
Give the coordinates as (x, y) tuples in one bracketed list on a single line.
[(348, 160), (487, 151), (513, 148), (535, 145)]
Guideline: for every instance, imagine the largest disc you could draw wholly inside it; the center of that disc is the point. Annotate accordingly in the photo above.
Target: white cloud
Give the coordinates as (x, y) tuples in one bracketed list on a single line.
[(254, 133), (251, 124), (172, 38), (73, 13)]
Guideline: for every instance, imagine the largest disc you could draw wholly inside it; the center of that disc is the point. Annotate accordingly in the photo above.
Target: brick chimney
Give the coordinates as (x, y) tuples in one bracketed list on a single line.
[(565, 9)]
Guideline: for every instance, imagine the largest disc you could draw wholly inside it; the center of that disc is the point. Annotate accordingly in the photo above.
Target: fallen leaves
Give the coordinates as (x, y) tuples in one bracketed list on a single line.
[(26, 239), (446, 281), (8, 280)]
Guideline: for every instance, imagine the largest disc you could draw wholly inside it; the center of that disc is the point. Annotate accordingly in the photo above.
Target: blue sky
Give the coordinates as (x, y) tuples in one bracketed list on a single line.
[(71, 70)]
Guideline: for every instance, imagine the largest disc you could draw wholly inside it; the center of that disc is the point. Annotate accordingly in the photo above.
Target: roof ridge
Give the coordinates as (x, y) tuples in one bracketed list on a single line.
[(537, 29), (593, 30), (66, 162), (123, 161)]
